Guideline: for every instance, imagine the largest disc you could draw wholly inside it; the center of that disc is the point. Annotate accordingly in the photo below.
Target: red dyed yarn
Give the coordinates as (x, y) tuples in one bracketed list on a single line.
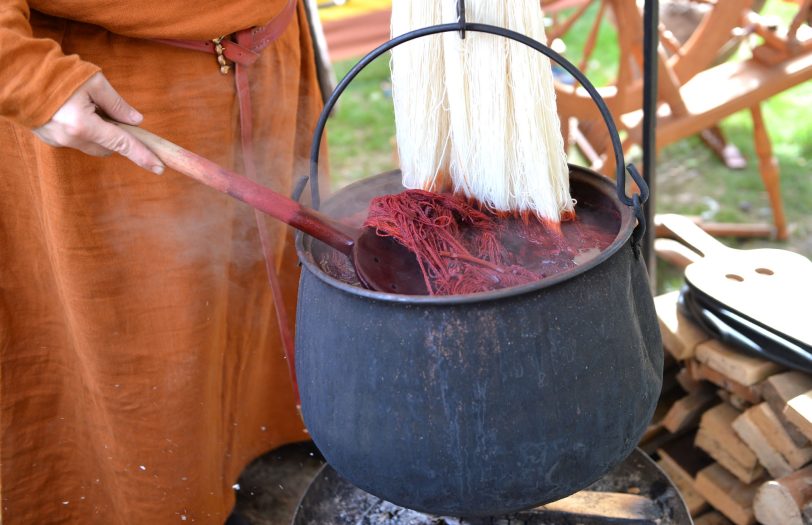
[(457, 245)]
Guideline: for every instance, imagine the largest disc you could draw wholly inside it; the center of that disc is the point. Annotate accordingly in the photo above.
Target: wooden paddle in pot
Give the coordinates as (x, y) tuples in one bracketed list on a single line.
[(380, 262), (767, 286)]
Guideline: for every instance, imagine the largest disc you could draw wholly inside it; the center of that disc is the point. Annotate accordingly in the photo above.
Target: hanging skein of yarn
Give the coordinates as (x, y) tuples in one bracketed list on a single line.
[(477, 116)]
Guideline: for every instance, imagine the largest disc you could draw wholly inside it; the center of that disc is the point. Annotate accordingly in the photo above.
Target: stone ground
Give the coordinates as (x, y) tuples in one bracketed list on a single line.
[(271, 486)]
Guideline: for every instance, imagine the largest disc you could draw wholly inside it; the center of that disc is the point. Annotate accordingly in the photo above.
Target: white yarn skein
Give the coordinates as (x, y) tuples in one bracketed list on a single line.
[(481, 110), (419, 97)]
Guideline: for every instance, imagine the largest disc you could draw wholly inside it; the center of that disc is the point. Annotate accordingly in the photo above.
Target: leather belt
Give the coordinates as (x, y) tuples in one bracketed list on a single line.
[(243, 48)]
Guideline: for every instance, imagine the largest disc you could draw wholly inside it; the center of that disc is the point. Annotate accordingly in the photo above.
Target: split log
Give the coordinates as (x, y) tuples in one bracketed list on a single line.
[(799, 412), (685, 412), (727, 494), (717, 437), (609, 506), (768, 456), (735, 401), (686, 380), (716, 449), (739, 367), (778, 389), (680, 335), (778, 436), (702, 372), (781, 501)]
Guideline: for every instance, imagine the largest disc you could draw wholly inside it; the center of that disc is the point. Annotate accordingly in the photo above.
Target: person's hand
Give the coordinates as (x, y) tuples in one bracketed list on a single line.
[(77, 125)]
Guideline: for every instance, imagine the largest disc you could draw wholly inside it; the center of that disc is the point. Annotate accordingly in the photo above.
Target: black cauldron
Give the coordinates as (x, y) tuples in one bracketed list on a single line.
[(487, 403)]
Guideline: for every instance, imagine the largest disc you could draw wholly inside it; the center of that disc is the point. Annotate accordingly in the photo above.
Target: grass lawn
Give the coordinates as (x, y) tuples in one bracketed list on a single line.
[(361, 132), (690, 178)]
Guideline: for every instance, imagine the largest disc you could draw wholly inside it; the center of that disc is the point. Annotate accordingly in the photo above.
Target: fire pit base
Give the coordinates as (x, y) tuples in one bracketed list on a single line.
[(332, 499)]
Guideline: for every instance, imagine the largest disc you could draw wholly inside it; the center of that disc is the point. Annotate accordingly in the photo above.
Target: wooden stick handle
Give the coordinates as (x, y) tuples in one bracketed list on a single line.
[(675, 253), (691, 234), (276, 205)]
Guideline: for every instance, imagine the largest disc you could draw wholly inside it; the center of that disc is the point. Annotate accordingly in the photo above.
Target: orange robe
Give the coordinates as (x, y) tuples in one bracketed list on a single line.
[(140, 356)]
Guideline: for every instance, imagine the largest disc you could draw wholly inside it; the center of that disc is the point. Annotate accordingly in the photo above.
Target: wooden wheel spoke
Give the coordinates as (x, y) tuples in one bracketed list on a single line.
[(592, 39), (670, 41), (565, 26), (804, 15), (635, 58), (631, 63), (553, 7)]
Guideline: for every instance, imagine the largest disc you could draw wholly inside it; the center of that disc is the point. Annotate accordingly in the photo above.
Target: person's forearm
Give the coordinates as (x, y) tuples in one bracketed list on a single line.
[(57, 95), (36, 77)]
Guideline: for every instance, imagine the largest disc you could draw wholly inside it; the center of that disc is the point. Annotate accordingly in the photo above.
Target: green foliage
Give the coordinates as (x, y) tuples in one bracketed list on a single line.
[(601, 68), (361, 132)]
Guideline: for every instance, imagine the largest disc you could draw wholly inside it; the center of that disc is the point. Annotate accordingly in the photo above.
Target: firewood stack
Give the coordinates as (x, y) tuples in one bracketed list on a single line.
[(732, 431)]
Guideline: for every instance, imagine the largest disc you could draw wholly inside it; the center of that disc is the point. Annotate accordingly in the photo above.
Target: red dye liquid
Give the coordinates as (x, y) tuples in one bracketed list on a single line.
[(463, 249)]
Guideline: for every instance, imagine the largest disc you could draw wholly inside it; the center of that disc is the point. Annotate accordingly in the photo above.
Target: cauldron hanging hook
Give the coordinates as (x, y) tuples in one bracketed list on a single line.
[(461, 17)]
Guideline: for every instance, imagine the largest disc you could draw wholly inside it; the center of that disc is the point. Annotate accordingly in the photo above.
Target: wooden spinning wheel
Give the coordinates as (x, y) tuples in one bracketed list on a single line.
[(695, 91), (711, 31)]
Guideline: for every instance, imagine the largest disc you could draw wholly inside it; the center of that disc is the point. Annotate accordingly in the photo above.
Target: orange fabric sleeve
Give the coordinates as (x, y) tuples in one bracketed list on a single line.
[(35, 76)]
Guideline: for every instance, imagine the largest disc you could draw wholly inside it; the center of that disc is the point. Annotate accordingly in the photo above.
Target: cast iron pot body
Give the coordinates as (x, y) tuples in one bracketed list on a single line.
[(486, 403)]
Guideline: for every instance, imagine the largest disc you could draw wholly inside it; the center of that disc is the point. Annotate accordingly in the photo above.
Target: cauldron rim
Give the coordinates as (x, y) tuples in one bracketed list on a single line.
[(591, 177)]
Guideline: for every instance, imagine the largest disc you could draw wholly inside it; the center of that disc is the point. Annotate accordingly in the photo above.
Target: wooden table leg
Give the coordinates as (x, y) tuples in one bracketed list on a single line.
[(768, 166), (714, 138)]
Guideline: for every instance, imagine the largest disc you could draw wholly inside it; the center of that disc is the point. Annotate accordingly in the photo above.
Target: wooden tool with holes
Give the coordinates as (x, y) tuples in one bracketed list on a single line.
[(769, 286)]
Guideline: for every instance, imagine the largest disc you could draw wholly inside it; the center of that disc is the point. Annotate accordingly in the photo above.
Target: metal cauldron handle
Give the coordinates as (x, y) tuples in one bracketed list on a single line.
[(636, 200)]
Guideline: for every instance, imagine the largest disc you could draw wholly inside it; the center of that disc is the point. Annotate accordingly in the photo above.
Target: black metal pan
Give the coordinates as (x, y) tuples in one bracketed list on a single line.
[(742, 333)]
